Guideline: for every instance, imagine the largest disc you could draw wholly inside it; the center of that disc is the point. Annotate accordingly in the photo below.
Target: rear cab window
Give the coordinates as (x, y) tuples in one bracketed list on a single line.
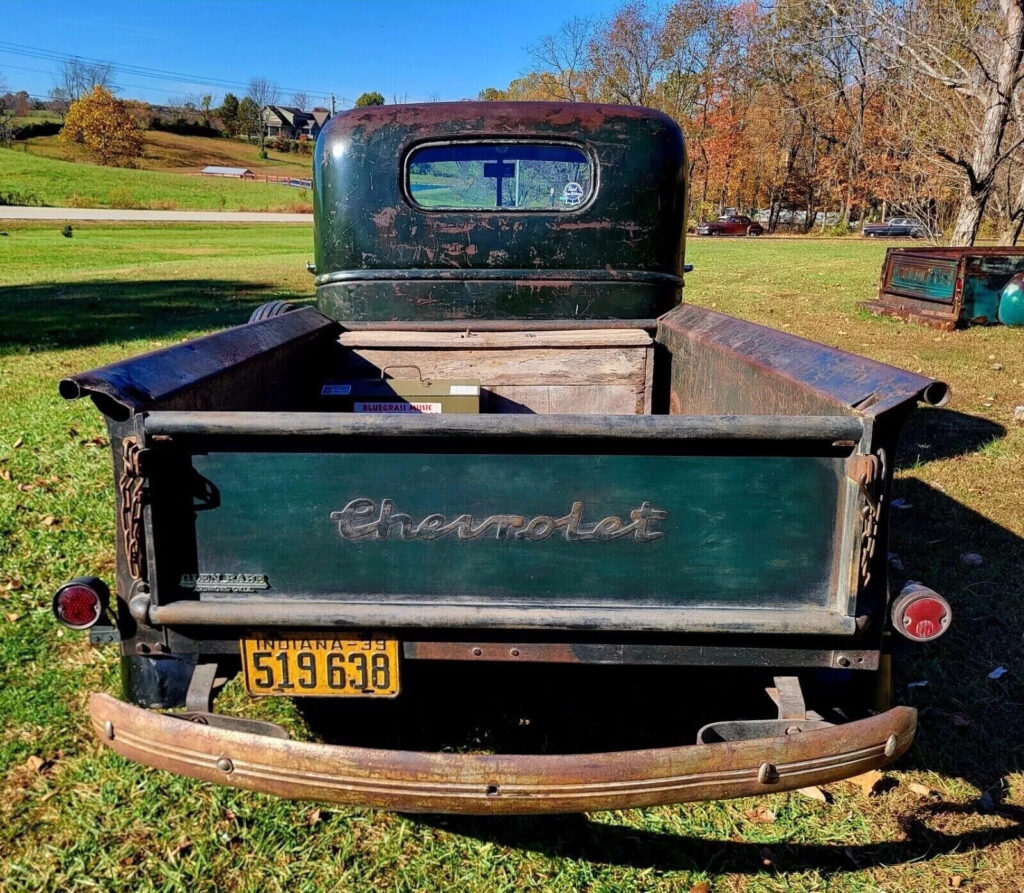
[(500, 176)]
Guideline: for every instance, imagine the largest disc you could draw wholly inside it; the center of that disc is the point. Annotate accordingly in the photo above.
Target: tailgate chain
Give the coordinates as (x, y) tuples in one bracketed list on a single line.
[(129, 489), (868, 472)]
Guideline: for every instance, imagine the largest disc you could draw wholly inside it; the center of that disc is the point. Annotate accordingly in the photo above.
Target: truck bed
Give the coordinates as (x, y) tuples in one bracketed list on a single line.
[(718, 478)]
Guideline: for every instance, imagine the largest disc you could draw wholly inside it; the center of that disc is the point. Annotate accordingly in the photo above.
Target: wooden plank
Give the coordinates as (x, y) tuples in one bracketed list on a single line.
[(523, 366), (644, 405), (469, 340), (562, 399)]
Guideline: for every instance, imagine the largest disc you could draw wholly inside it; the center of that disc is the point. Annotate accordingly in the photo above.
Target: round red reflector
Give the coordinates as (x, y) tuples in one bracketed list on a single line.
[(920, 613), (77, 606)]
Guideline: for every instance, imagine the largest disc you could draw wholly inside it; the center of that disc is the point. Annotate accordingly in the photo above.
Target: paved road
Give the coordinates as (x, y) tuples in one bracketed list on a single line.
[(14, 212)]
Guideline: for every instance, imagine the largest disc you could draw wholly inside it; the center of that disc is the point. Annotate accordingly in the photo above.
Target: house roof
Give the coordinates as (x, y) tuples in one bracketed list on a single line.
[(296, 117), (226, 171)]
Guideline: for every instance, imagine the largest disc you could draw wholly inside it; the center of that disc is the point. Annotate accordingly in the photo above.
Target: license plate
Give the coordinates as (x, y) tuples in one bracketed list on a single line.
[(321, 666)]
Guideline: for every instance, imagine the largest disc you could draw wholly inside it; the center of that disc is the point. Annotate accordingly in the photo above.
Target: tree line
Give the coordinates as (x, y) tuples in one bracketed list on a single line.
[(818, 111)]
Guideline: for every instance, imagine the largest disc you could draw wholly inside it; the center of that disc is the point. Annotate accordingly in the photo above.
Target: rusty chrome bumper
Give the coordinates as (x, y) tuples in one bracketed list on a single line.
[(409, 781)]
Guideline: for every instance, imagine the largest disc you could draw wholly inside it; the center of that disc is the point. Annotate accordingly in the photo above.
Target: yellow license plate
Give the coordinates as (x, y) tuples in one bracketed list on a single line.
[(318, 665)]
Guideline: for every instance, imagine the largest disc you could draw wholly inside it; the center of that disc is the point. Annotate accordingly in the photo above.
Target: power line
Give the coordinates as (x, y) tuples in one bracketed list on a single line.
[(147, 73)]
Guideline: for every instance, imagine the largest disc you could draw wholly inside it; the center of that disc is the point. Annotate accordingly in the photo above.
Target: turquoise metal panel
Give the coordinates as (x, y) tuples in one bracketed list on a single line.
[(690, 530)]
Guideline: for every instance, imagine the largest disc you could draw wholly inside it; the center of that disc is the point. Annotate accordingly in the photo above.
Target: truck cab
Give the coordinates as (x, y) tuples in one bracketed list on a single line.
[(501, 436)]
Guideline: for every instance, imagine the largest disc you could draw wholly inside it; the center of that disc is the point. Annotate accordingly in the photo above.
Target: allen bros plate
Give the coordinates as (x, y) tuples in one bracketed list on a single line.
[(321, 665)]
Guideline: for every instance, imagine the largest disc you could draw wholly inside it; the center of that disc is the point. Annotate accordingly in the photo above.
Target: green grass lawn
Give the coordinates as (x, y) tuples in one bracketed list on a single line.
[(85, 819), (34, 180)]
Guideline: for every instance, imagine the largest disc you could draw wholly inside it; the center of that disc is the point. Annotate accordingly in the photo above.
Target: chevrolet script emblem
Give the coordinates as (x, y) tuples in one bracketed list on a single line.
[(363, 519)]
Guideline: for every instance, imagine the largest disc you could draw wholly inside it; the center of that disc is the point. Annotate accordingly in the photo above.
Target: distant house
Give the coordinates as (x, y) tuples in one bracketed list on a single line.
[(240, 173), (293, 123)]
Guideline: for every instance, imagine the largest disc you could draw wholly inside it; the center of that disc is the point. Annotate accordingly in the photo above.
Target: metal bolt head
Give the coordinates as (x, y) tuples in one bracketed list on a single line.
[(514, 652), (477, 652), (225, 765), (108, 730), (843, 661), (890, 746), (767, 774)]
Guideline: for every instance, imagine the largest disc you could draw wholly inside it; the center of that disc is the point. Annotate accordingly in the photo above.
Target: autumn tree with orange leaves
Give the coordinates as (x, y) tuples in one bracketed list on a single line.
[(821, 113), (105, 128)]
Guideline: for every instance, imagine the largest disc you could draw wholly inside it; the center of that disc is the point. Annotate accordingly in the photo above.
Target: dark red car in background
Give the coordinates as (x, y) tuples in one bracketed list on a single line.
[(730, 225)]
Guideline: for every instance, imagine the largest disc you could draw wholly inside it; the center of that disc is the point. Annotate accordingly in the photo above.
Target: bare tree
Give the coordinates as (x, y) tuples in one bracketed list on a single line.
[(263, 92), (565, 56), (76, 78), (300, 100), (626, 56), (7, 107), (967, 61)]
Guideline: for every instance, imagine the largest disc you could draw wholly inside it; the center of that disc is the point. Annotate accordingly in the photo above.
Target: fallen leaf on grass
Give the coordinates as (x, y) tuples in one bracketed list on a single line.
[(924, 790), (49, 521), (815, 793), (20, 442), (701, 887), (26, 488), (38, 764), (13, 585), (997, 673), (5, 473), (13, 618), (760, 815), (955, 881), (871, 783), (312, 817), (179, 849)]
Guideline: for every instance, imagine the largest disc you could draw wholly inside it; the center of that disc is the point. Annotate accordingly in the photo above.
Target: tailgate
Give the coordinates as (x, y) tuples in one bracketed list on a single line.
[(619, 522)]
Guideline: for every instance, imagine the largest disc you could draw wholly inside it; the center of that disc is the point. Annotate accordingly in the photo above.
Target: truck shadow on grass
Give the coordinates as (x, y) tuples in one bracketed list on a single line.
[(577, 837), (971, 727), (934, 433), (52, 316)]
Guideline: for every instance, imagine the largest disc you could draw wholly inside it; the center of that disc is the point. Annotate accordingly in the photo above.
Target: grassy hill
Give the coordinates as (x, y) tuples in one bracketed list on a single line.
[(190, 154), (28, 178)]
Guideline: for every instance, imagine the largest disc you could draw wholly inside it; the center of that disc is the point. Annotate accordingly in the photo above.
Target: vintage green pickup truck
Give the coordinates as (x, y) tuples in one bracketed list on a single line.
[(501, 436)]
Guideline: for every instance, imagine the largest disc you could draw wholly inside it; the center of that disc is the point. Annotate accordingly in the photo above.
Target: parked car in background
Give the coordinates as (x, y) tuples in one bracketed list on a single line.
[(730, 225), (896, 228)]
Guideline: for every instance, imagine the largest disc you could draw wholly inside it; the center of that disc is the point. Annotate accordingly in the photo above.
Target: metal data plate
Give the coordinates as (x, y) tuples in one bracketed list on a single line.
[(317, 665)]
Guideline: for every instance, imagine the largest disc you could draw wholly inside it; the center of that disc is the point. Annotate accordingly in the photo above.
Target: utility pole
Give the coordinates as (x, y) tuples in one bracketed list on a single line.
[(332, 106)]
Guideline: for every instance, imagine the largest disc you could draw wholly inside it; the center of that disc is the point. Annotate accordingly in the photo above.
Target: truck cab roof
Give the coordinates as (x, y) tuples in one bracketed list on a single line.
[(498, 210)]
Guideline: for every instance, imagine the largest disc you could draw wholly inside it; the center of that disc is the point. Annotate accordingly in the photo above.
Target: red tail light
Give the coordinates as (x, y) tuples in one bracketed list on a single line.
[(920, 613), (80, 603)]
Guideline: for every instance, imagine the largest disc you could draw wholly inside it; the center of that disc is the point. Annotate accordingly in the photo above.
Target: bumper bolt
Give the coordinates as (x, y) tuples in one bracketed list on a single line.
[(108, 730), (890, 746), (767, 774), (225, 765), (477, 652)]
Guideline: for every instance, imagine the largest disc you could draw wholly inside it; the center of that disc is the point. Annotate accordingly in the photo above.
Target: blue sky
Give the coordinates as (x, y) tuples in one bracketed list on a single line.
[(408, 50)]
